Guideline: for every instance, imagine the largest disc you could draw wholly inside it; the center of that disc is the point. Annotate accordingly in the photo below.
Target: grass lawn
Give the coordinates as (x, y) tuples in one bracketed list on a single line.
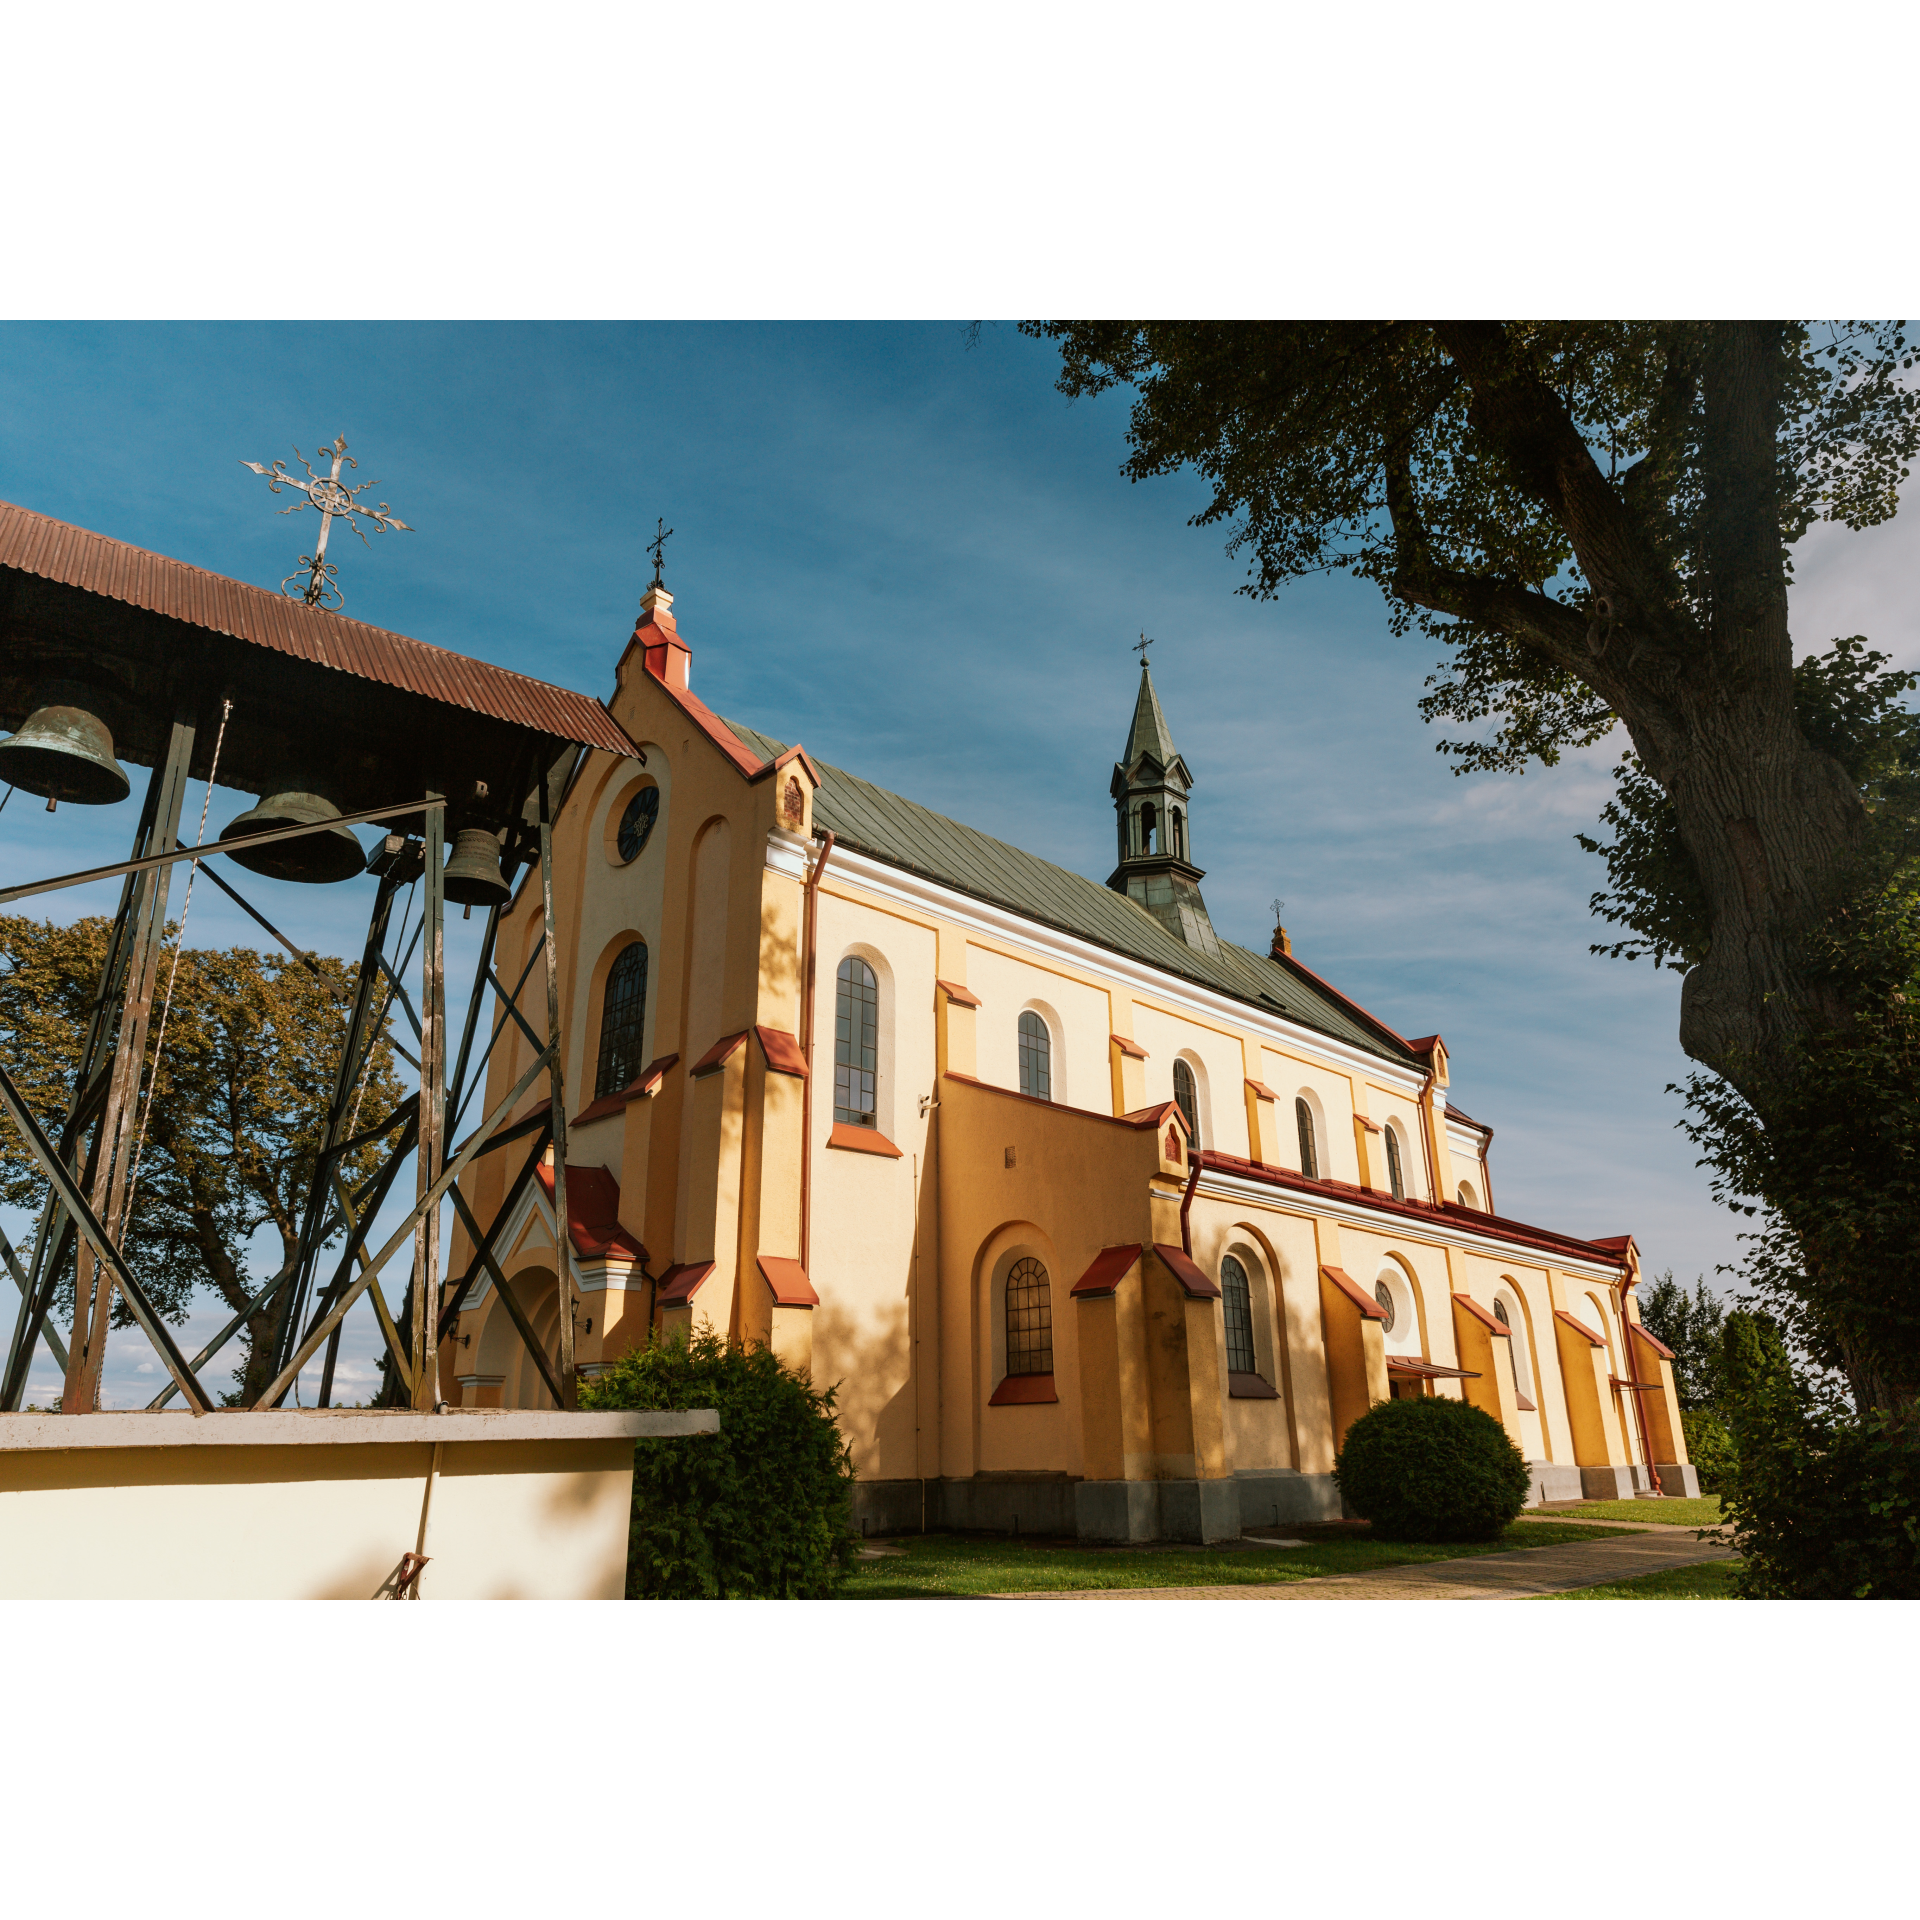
[(944, 1565), (1704, 1512), (1712, 1580)]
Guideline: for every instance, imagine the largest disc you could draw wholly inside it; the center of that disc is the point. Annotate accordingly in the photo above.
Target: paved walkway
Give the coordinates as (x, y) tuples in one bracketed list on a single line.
[(1490, 1576)]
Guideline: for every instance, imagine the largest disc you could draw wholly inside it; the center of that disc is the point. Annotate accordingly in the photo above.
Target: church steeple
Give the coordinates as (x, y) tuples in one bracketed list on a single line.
[(1151, 785)]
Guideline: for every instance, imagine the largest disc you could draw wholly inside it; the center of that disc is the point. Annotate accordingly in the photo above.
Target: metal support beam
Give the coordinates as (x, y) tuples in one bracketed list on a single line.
[(515, 1311), (557, 1093), (21, 1281), (113, 1150), (483, 1243), (401, 1234), (433, 1119), (88, 1222), (237, 844)]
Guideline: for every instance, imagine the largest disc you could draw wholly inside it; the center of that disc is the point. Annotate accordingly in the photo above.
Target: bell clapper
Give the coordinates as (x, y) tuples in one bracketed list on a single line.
[(52, 805)]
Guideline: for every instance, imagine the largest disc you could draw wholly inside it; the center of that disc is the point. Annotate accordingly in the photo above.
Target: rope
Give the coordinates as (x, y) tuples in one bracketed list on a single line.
[(173, 974)]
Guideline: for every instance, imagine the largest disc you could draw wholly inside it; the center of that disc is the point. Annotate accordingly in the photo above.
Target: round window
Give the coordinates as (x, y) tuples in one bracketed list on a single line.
[(636, 824), (1384, 1294)]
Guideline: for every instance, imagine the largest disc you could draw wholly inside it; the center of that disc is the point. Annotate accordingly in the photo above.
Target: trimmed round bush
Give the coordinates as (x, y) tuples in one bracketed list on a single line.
[(1432, 1470), (760, 1510)]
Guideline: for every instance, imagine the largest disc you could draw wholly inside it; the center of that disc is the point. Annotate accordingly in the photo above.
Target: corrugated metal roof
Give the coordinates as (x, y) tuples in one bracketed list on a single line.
[(905, 834), (73, 557)]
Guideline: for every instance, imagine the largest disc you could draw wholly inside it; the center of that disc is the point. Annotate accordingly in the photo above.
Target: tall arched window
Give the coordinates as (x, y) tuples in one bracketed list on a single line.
[(623, 1013), (856, 1042), (1395, 1180), (1187, 1099), (1036, 1057), (1177, 841), (1513, 1355), (1309, 1155), (1029, 1319), (1149, 825), (1237, 1297)]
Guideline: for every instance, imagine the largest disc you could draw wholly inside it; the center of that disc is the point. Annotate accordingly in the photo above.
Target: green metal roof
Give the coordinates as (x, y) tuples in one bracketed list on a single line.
[(1149, 732), (904, 834)]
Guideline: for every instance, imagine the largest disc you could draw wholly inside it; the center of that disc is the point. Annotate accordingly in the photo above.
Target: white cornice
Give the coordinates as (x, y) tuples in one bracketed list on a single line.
[(1227, 1186), (912, 889)]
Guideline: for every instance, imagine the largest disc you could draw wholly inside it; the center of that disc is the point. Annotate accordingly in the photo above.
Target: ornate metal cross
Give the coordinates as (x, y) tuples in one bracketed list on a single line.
[(332, 501), (1140, 647), (657, 545)]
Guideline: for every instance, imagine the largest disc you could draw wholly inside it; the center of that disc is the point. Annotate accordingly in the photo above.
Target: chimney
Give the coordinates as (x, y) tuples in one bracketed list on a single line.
[(667, 655)]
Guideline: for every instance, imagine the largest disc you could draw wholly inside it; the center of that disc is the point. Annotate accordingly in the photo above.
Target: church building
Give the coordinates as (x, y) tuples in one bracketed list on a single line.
[(1101, 1224)]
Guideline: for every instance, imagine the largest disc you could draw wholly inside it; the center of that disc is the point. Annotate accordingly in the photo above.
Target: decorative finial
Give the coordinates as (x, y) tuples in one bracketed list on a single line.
[(1140, 647), (1279, 907), (332, 502), (656, 546)]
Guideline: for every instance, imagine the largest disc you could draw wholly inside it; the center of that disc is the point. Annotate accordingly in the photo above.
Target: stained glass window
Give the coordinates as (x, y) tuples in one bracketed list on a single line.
[(856, 1043), (636, 824), (1029, 1319), (1237, 1297), (623, 1013), (1036, 1057)]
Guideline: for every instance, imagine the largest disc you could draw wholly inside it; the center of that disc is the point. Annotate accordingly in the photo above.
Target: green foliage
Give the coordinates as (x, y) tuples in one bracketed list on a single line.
[(1432, 1470), (234, 1105), (1822, 1502), (1690, 1324), (1433, 460), (1709, 1447), (759, 1511)]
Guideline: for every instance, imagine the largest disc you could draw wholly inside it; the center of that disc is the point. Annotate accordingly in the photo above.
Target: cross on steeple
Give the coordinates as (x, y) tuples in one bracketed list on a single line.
[(657, 545), (1140, 647), (332, 500)]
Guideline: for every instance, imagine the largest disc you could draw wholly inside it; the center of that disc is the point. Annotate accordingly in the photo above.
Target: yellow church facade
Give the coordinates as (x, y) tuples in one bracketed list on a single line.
[(1101, 1224)]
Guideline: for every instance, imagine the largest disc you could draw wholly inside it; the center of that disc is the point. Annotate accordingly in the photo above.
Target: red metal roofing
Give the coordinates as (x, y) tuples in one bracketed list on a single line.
[(788, 1279), (782, 1051), (1425, 1369), (593, 1214), (680, 1283), (958, 994), (1585, 1332), (1131, 1048), (1659, 1346), (73, 557), (1478, 1312), (717, 1055), (1024, 1390), (1493, 1226), (1370, 1308), (1110, 1266), (1180, 1264)]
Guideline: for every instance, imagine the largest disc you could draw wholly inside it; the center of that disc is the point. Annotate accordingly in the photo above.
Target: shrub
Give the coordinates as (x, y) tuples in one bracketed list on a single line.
[(1821, 1502), (1709, 1447), (1432, 1470), (760, 1510)]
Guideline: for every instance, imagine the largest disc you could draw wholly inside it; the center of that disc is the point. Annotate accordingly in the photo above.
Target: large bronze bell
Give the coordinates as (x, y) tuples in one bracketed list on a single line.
[(473, 877), (317, 859), (65, 750)]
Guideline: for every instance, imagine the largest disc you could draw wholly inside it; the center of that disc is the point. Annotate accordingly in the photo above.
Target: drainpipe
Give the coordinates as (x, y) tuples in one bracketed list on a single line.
[(806, 1030), (1434, 1114), (1627, 1284), (1186, 1206)]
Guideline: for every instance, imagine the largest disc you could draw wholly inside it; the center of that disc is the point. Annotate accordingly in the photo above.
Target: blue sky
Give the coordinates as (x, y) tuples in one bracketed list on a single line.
[(920, 560)]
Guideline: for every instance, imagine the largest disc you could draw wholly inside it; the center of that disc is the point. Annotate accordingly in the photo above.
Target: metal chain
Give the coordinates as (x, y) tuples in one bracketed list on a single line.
[(173, 973)]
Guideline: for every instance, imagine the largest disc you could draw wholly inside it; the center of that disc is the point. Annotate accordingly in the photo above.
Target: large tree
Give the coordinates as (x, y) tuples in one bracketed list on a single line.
[(1596, 520), (234, 1108)]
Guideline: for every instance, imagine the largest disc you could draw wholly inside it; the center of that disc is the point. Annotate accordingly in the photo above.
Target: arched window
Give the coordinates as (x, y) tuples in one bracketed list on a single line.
[(1187, 1099), (1467, 1196), (1237, 1297), (1149, 829), (1394, 1177), (1036, 1057), (1309, 1155), (623, 1013), (1029, 1319), (1513, 1355), (1177, 842), (856, 1042)]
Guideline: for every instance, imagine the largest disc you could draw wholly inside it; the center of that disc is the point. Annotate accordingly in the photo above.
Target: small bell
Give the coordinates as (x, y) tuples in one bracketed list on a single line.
[(64, 751), (473, 877), (316, 859)]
